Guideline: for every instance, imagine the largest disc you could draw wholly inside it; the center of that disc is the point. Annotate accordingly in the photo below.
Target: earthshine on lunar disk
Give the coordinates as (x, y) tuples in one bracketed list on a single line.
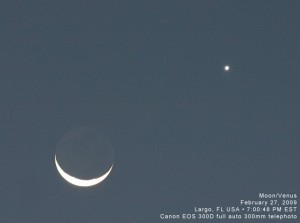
[(84, 157)]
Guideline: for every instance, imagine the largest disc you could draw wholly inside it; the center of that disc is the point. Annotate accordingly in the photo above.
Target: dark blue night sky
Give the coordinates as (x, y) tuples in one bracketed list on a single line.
[(150, 74)]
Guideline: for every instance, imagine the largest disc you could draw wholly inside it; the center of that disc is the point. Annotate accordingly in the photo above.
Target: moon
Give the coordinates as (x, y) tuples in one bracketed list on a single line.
[(80, 182), (84, 157)]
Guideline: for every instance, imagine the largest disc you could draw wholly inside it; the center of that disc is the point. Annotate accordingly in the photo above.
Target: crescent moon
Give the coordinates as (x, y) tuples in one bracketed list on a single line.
[(79, 182)]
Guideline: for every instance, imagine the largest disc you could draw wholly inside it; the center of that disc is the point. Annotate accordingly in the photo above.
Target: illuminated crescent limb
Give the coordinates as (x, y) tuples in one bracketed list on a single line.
[(80, 182)]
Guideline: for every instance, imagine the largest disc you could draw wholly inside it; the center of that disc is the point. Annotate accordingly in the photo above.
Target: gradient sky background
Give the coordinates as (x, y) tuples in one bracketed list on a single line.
[(150, 75)]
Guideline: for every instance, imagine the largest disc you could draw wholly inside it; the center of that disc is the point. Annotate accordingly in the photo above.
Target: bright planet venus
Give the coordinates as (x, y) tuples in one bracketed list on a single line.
[(84, 156)]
